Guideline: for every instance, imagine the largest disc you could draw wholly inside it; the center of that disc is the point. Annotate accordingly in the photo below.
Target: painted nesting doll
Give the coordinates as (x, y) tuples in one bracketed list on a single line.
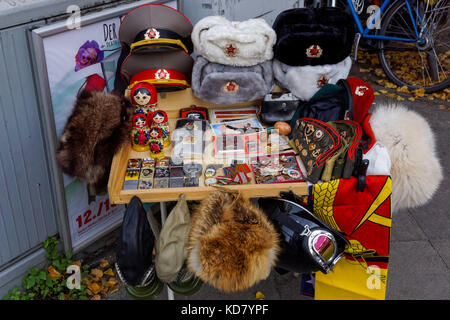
[(159, 120), (144, 98), (156, 143), (140, 133)]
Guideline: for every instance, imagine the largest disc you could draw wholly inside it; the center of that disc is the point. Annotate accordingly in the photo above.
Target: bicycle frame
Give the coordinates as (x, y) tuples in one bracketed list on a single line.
[(365, 32)]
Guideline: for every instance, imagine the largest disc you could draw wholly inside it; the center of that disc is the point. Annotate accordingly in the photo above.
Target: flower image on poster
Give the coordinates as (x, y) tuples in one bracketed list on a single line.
[(88, 54)]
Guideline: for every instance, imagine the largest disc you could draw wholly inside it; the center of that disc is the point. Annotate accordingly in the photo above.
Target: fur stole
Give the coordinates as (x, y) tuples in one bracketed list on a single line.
[(232, 244), (99, 124), (416, 171)]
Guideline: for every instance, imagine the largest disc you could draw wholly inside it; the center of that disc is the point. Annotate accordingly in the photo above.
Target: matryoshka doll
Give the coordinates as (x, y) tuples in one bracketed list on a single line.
[(159, 120), (156, 143), (140, 133), (144, 98)]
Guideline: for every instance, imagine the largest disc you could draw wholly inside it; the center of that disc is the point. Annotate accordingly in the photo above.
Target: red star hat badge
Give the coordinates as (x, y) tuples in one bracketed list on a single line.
[(230, 86), (314, 51), (231, 50), (162, 74), (360, 90), (151, 34), (322, 80)]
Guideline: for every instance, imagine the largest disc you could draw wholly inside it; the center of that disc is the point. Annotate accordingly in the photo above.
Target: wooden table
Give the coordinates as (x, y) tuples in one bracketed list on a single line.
[(171, 103)]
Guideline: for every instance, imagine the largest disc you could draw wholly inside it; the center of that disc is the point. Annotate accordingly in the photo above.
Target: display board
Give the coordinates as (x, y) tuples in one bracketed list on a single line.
[(70, 57)]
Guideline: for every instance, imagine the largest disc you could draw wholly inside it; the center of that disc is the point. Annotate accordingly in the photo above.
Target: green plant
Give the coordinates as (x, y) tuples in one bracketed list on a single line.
[(50, 283)]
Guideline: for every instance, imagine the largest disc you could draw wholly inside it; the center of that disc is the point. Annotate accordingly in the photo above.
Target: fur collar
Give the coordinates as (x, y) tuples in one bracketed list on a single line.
[(416, 171)]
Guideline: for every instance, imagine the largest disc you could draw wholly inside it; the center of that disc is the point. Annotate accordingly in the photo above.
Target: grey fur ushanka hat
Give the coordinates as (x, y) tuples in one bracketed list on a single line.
[(223, 84)]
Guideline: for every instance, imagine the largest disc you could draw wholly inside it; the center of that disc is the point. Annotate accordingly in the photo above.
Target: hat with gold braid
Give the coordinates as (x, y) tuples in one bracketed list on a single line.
[(155, 27), (156, 47)]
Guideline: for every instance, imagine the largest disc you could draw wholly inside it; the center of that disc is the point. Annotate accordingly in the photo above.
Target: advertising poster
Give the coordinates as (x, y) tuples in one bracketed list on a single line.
[(75, 59)]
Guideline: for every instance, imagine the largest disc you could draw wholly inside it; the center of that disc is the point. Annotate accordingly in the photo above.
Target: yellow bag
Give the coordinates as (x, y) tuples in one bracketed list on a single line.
[(351, 280)]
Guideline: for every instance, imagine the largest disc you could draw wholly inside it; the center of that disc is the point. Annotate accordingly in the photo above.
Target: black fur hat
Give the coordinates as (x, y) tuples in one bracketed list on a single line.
[(313, 36)]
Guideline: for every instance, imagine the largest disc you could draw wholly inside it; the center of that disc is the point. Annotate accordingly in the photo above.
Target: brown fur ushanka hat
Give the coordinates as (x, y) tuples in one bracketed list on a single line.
[(99, 124), (232, 244)]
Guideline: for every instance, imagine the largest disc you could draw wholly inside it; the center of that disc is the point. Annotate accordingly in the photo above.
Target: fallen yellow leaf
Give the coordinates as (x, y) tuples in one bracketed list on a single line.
[(419, 92), (104, 290), (94, 287), (390, 85), (97, 273), (111, 282), (113, 289), (109, 272), (403, 89), (96, 297), (104, 263), (54, 274), (259, 295), (379, 72)]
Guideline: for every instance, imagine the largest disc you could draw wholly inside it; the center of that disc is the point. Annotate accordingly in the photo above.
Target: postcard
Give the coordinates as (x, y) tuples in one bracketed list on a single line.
[(242, 126), (225, 114)]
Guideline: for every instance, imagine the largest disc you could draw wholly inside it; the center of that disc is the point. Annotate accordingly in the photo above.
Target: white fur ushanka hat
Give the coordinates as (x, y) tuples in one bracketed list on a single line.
[(305, 81), (233, 43)]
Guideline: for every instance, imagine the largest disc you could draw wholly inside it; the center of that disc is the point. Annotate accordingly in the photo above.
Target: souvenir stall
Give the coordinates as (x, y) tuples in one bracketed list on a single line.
[(262, 127)]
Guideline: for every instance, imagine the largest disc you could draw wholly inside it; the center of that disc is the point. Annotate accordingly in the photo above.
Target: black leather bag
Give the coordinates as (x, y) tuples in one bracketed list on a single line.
[(134, 262), (278, 107)]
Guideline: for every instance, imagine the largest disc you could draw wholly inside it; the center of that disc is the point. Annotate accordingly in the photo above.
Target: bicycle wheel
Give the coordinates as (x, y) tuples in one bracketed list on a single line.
[(423, 63)]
